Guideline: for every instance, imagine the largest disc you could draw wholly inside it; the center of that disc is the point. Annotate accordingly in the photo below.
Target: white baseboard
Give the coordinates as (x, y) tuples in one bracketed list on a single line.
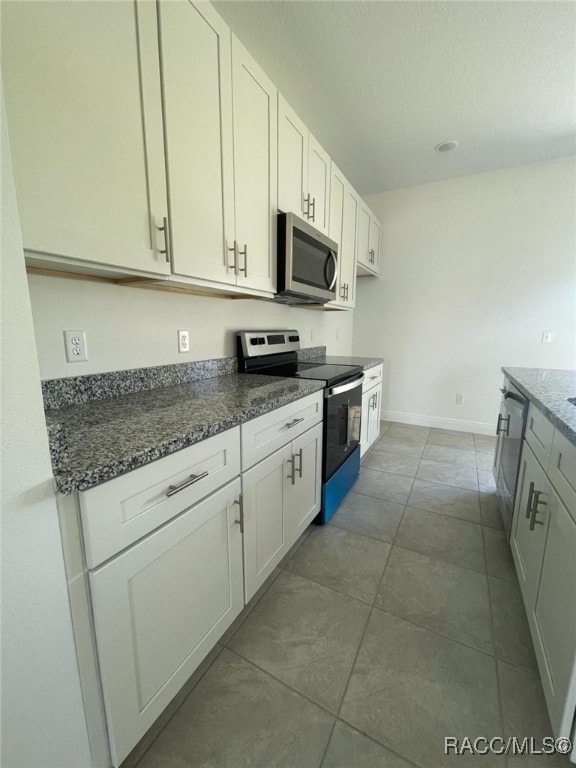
[(479, 427)]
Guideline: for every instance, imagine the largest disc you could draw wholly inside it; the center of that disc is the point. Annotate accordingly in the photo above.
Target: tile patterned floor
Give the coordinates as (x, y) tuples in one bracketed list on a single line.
[(399, 623)]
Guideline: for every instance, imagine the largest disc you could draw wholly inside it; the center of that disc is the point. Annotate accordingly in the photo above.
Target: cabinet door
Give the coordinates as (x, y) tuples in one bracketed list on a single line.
[(255, 170), (84, 110), (363, 236), (318, 184), (197, 89), (337, 195), (266, 518), (555, 618), (528, 544), (364, 425), (374, 415), (374, 244), (292, 160), (159, 607), (305, 480)]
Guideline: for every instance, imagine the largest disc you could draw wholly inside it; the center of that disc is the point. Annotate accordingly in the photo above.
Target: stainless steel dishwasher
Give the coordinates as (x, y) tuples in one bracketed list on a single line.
[(510, 430)]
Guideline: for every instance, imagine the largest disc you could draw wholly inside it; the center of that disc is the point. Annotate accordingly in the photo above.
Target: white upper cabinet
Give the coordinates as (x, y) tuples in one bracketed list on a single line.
[(344, 204), (368, 241), (255, 171), (197, 90), (303, 170), (83, 101)]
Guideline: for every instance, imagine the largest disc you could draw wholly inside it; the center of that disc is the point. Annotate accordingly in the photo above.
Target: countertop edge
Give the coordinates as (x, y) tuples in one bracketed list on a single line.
[(568, 431)]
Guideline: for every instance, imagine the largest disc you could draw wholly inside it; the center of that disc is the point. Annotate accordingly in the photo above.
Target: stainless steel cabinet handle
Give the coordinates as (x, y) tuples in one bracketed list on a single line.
[(234, 248), (166, 229), (245, 254), (293, 423), (501, 420), (307, 204), (240, 522), (373, 377), (299, 467), (536, 502), (347, 286), (292, 476), (172, 489), (313, 204), (529, 504)]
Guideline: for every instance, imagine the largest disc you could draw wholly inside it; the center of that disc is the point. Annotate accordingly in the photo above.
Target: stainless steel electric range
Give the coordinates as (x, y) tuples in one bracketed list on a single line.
[(275, 353)]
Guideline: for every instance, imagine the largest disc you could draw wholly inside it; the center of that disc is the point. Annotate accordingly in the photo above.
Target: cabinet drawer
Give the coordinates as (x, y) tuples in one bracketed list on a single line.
[(268, 433), (539, 433), (562, 470), (118, 513), (372, 377)]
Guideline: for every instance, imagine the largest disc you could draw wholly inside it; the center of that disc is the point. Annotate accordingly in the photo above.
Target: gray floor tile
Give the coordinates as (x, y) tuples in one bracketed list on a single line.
[(383, 485), (486, 482), (369, 516), (446, 538), (451, 439), (351, 749), (485, 443), (446, 500), (342, 560), (384, 426), (524, 714), (240, 717), (399, 445), (397, 463), (410, 688), (512, 640), (499, 561), (484, 461), (490, 511), (408, 432), (306, 635), (439, 596), (448, 474), (457, 456)]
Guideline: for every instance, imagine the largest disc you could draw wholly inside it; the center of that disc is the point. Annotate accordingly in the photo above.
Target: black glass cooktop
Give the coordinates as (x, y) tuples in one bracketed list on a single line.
[(331, 374)]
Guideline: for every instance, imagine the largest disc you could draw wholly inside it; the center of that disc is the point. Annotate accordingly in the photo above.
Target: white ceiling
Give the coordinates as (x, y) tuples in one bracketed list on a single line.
[(380, 83)]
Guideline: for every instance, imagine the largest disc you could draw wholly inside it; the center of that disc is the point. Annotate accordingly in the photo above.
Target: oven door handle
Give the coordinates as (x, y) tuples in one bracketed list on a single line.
[(356, 381)]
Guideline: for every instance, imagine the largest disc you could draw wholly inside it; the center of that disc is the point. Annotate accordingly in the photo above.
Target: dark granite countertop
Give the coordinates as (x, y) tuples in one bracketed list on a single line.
[(363, 362), (96, 441), (549, 390)]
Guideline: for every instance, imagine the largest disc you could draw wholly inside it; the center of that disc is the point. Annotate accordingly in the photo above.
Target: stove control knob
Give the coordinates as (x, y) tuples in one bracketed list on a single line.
[(254, 340), (294, 338)]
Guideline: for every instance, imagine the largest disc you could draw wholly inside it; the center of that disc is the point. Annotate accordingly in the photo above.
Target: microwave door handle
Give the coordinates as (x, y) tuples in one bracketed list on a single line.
[(332, 255)]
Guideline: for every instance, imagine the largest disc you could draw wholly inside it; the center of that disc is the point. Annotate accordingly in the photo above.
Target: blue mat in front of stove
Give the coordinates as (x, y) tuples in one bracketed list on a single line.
[(338, 486)]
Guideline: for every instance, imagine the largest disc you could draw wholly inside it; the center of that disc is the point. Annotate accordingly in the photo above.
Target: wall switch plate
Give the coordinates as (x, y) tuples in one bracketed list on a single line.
[(547, 337), (75, 344), (459, 398), (183, 341)]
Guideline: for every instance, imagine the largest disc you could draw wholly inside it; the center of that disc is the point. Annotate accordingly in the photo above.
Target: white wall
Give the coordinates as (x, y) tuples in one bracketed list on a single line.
[(42, 713), (473, 270), (133, 327)]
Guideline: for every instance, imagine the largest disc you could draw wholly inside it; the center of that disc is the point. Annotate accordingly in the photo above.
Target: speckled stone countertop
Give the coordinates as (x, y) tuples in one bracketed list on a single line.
[(96, 441), (363, 362), (549, 390)]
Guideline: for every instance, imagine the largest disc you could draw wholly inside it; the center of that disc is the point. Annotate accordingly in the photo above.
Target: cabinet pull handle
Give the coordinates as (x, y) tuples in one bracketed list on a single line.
[(373, 377), (306, 203), (240, 522), (313, 205), (292, 476), (535, 503), (529, 504), (234, 248), (245, 254), (501, 420), (165, 228), (299, 467), (347, 286), (293, 423), (172, 489)]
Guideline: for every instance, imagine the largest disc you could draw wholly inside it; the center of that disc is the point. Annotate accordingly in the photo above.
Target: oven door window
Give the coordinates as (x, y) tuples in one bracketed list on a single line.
[(342, 428)]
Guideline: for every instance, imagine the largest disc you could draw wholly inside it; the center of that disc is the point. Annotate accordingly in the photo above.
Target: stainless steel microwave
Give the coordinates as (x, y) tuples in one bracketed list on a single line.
[(307, 263)]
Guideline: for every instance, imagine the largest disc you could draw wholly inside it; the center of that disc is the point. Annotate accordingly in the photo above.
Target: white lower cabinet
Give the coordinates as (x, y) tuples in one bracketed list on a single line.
[(160, 606), (280, 498), (544, 548), (371, 408)]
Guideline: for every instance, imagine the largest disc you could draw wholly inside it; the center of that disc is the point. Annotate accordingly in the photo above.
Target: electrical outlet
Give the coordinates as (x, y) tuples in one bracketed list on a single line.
[(75, 345), (183, 341), (547, 337), (459, 398)]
